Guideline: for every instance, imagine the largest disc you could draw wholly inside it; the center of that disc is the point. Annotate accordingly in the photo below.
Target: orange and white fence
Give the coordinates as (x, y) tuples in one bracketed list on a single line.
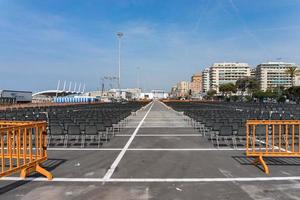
[(272, 138), (23, 148)]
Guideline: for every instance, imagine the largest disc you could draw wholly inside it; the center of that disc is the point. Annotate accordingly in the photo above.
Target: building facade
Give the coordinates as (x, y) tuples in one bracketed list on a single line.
[(196, 84), (222, 73), (253, 72), (205, 80), (297, 80), (273, 74), (183, 89)]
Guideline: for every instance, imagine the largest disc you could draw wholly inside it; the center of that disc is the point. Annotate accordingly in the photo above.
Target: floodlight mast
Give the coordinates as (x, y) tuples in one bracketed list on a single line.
[(119, 35)]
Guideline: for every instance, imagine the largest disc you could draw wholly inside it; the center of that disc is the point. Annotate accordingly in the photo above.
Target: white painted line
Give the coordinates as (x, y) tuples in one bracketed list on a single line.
[(161, 135), (276, 147), (121, 154), (187, 149), (84, 149), (162, 126), (150, 149), (157, 180)]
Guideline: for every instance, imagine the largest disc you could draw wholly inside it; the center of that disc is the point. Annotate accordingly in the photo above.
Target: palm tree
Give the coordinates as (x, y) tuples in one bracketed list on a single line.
[(292, 71)]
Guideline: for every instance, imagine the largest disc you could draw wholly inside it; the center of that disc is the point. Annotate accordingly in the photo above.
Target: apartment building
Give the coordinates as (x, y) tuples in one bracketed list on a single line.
[(273, 74), (183, 88), (253, 72), (196, 84), (205, 80), (221, 73)]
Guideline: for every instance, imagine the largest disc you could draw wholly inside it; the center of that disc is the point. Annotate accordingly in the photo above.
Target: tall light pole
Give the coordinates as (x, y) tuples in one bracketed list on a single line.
[(119, 35)]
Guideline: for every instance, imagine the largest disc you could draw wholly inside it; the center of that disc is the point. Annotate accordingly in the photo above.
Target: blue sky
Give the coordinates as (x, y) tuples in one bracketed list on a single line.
[(42, 42)]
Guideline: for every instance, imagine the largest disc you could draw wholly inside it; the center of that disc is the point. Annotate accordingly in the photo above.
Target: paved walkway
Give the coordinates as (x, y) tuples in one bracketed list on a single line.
[(157, 156)]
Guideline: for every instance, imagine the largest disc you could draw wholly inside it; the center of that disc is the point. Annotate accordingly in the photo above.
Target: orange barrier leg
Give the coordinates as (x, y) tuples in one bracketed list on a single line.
[(260, 160), (36, 168)]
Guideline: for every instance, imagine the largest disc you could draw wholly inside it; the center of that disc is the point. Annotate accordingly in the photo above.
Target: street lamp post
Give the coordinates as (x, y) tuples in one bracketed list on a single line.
[(119, 35)]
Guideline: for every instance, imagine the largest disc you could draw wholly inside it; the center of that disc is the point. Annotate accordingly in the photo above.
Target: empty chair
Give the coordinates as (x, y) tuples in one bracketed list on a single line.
[(74, 135), (224, 134), (56, 135), (92, 134)]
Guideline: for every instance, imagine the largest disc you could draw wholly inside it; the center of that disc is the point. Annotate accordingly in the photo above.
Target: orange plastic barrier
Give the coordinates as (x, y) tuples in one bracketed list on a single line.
[(23, 148), (272, 138)]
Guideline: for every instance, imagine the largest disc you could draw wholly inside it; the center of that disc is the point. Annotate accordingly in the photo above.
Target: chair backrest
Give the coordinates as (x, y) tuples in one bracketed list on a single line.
[(74, 130), (91, 130), (226, 131)]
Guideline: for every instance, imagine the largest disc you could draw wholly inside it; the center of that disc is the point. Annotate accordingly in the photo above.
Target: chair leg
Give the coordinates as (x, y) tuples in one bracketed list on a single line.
[(82, 141), (99, 139), (66, 138), (234, 142), (217, 140)]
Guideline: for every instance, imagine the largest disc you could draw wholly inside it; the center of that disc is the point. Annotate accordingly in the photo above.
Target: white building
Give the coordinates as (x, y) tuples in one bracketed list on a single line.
[(297, 80), (183, 88), (273, 74), (154, 94), (205, 80), (221, 73), (159, 94)]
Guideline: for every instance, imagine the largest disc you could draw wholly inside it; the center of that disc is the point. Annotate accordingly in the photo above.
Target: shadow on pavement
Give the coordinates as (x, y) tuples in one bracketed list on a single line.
[(50, 165)]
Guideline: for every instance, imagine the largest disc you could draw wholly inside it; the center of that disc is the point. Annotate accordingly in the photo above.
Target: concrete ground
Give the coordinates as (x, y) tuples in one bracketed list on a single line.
[(158, 156)]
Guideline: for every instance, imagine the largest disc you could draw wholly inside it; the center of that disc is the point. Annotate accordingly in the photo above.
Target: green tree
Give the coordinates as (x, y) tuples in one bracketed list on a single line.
[(248, 84), (253, 85), (227, 88), (293, 93), (241, 84), (211, 93), (292, 72)]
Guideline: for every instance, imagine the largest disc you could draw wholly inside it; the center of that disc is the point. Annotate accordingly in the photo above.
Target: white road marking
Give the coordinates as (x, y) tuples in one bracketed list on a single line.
[(161, 135), (121, 154), (275, 147), (84, 149), (149, 149), (186, 149), (145, 180)]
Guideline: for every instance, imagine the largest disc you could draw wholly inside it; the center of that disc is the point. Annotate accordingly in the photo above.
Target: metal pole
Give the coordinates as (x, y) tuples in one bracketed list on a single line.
[(119, 80), (119, 35)]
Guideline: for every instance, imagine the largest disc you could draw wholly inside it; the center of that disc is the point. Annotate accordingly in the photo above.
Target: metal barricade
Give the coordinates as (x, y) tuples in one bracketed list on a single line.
[(23, 148), (272, 138)]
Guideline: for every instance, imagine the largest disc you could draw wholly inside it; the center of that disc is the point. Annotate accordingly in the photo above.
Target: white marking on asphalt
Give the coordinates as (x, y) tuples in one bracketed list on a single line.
[(149, 149), (121, 154), (84, 149), (143, 180), (276, 147), (161, 135), (186, 149)]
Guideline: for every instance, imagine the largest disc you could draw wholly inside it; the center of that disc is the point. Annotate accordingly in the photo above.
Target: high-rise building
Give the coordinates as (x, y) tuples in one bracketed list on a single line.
[(297, 80), (221, 73), (253, 72), (196, 84), (205, 80), (273, 74)]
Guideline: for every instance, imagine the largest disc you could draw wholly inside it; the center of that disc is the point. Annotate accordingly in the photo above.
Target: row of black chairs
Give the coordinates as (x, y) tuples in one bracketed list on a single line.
[(78, 124), (224, 123)]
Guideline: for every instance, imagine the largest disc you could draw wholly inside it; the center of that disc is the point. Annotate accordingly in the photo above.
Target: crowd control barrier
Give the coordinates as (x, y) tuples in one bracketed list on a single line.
[(272, 138), (23, 148)]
